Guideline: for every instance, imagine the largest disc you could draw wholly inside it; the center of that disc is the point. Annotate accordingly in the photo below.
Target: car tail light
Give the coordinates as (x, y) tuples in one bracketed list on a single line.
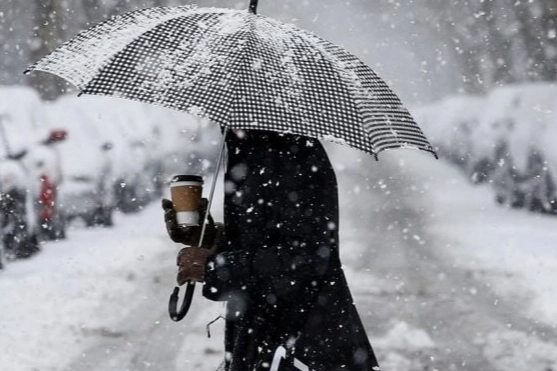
[(47, 197)]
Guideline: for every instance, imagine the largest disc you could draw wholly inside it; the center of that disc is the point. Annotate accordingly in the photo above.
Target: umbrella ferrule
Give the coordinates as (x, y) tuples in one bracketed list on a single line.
[(253, 6)]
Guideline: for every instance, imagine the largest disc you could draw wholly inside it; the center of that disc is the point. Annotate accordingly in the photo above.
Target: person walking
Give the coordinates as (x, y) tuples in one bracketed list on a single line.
[(277, 264)]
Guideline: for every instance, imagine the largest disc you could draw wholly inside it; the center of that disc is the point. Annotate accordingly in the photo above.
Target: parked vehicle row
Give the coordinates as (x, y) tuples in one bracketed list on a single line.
[(505, 139), (85, 158), (29, 174)]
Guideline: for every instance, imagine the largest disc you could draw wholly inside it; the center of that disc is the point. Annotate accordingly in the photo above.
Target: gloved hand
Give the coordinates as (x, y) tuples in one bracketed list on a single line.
[(189, 235), (191, 260), (191, 264)]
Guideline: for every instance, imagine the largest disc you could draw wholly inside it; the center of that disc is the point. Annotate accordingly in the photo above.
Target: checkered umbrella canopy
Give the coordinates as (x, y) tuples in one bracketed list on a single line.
[(240, 70)]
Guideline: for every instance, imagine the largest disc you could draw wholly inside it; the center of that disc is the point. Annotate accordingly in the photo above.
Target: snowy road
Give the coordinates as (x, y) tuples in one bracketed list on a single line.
[(103, 293), (432, 313)]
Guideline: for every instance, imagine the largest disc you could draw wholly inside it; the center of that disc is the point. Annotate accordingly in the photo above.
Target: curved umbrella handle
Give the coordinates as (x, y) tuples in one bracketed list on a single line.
[(175, 314)]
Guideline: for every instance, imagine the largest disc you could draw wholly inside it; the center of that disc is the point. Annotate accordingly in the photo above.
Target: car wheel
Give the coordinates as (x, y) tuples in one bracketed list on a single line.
[(102, 216), (61, 232), (107, 217), (53, 229), (18, 240), (57, 231), (127, 201), (90, 220), (481, 171), (21, 245), (28, 248), (60, 227), (2, 256)]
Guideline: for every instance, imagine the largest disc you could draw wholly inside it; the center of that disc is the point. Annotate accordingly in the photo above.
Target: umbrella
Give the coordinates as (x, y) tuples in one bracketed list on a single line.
[(240, 70)]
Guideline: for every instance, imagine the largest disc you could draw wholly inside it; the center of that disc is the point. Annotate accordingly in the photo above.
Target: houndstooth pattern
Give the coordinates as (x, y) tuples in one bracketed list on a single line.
[(239, 70)]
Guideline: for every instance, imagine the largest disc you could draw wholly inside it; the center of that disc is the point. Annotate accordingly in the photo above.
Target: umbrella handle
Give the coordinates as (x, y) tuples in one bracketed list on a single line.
[(175, 314)]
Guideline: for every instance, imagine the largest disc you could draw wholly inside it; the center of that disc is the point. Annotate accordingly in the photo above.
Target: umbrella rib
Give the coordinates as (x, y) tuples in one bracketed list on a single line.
[(243, 57), (309, 41), (361, 110), (322, 46), (328, 56)]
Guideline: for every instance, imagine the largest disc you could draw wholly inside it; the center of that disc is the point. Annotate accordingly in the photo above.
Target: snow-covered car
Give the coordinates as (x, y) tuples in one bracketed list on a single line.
[(451, 124), (462, 115), (184, 144), (137, 138), (150, 145), (116, 123), (25, 136), (524, 177), (488, 154), (87, 190)]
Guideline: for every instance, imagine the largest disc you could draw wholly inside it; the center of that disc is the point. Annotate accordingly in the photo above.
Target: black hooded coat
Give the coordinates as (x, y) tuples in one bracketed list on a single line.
[(289, 306)]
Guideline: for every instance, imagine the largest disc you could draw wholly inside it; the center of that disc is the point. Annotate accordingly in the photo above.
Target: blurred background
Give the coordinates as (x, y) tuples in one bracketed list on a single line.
[(426, 48), (462, 272)]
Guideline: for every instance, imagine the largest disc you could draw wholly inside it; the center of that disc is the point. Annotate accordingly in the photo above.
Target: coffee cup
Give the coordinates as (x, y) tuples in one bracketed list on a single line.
[(185, 191)]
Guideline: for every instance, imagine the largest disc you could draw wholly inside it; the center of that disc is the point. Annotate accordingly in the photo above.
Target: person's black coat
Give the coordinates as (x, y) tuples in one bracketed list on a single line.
[(278, 266)]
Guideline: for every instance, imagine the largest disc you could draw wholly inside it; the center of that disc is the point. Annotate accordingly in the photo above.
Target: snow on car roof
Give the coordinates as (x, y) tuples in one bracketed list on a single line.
[(22, 119)]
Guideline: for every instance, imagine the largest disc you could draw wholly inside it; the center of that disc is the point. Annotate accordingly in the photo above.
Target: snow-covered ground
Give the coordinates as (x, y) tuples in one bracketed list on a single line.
[(97, 301), (516, 250), (508, 252), (76, 290)]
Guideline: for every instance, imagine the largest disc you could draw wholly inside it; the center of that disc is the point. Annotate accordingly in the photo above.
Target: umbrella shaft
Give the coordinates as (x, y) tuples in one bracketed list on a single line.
[(253, 6), (213, 185)]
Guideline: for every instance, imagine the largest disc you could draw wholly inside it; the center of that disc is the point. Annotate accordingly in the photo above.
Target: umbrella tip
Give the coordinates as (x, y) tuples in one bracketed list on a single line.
[(253, 6)]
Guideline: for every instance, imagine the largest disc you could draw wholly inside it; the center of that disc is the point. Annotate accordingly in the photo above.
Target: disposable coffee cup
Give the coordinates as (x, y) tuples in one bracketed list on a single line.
[(185, 191)]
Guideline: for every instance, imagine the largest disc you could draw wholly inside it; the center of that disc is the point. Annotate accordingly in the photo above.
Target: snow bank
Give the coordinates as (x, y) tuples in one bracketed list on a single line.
[(500, 135), (513, 250), (78, 293), (404, 337)]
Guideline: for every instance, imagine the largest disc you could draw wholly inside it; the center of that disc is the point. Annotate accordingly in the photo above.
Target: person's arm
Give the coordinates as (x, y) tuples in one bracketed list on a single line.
[(191, 260)]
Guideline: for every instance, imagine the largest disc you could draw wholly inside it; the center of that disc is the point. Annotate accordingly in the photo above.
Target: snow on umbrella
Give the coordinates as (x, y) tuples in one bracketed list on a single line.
[(240, 70)]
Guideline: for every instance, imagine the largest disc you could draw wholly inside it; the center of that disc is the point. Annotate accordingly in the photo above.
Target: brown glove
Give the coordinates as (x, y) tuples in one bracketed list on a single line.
[(191, 264), (192, 260)]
